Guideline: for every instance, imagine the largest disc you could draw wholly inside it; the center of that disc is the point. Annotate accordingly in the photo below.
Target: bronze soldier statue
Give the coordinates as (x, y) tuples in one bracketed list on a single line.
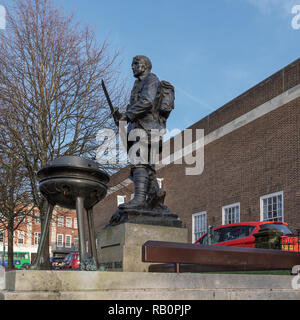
[(150, 104)]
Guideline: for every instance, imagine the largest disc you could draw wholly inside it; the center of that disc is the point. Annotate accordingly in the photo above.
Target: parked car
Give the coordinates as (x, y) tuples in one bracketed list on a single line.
[(242, 235), (56, 263), (71, 261)]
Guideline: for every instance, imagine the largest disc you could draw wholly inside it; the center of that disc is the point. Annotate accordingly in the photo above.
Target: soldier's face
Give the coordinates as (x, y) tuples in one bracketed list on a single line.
[(138, 67)]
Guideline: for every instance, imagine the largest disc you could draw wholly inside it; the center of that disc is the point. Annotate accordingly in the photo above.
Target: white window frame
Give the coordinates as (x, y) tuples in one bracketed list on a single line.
[(76, 242), (203, 230), (21, 236), (60, 221), (37, 219), (120, 199), (75, 223), (230, 206), (69, 222), (37, 237), (267, 196), (68, 236), (62, 242)]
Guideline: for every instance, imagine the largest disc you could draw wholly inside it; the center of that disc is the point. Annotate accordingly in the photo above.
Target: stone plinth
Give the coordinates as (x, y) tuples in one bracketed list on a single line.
[(95, 285), (120, 247)]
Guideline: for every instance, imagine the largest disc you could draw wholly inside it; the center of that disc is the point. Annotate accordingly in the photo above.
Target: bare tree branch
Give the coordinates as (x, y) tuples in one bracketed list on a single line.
[(51, 100)]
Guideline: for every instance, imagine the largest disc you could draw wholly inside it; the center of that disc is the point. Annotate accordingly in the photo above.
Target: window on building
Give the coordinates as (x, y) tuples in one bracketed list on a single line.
[(231, 214), (68, 241), (60, 240), (271, 207), (68, 222), (76, 243), (37, 237), (120, 199), (60, 221), (2, 235), (199, 225), (37, 220), (21, 237), (20, 218), (75, 223)]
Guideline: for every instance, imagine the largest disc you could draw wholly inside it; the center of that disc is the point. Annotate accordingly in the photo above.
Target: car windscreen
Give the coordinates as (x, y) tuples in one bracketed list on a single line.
[(278, 227), (228, 234)]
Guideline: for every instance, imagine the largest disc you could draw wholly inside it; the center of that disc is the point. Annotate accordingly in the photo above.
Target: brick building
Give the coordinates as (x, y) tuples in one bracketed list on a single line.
[(63, 237), (251, 162)]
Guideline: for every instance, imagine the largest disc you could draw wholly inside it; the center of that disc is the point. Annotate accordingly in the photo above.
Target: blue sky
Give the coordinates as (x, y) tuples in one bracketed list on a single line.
[(210, 50)]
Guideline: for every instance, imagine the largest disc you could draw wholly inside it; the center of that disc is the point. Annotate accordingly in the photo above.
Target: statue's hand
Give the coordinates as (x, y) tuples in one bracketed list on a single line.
[(118, 116), (123, 117)]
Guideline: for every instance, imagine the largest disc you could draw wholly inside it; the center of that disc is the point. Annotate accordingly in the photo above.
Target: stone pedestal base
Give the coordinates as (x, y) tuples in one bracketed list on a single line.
[(160, 216), (120, 247), (95, 285)]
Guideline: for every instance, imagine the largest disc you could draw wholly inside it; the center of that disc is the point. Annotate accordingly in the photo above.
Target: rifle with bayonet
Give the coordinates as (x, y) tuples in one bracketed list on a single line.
[(114, 112)]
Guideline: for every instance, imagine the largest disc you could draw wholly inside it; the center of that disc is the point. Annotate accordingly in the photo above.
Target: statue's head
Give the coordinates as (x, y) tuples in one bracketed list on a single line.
[(141, 65)]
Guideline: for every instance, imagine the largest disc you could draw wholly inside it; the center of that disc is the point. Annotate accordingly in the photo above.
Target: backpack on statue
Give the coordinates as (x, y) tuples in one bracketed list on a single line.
[(166, 100)]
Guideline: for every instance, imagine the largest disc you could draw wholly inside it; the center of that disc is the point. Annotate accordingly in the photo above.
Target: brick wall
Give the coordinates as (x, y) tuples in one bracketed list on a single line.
[(259, 158)]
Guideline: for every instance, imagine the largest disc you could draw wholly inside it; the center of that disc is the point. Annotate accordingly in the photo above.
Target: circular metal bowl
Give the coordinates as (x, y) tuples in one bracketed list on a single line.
[(67, 178)]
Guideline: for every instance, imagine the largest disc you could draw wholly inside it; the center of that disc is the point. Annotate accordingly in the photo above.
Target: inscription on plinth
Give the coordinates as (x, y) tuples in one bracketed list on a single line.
[(120, 247)]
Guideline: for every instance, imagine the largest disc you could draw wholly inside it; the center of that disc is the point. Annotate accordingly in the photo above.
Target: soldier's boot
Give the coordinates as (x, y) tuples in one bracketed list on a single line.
[(156, 195), (141, 181)]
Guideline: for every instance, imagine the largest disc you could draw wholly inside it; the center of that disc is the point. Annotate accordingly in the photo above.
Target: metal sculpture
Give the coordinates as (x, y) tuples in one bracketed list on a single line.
[(74, 183), (151, 103)]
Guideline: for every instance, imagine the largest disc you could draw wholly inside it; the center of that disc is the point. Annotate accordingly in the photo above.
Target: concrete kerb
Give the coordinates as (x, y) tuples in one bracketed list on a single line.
[(2, 278), (92, 281), (85, 285)]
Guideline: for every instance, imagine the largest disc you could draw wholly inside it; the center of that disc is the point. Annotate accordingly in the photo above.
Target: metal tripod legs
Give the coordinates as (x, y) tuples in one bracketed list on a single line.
[(86, 263), (45, 233), (92, 236)]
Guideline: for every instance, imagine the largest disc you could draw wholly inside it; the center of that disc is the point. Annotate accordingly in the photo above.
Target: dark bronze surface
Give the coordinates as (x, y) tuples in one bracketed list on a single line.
[(66, 178), (216, 257), (150, 105), (74, 183)]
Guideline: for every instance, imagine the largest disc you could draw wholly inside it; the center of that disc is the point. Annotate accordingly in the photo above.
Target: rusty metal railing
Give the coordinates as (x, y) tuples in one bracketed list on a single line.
[(182, 257)]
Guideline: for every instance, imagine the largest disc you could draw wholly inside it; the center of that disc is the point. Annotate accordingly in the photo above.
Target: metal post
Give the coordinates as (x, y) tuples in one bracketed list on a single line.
[(92, 237), (45, 233), (80, 218)]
